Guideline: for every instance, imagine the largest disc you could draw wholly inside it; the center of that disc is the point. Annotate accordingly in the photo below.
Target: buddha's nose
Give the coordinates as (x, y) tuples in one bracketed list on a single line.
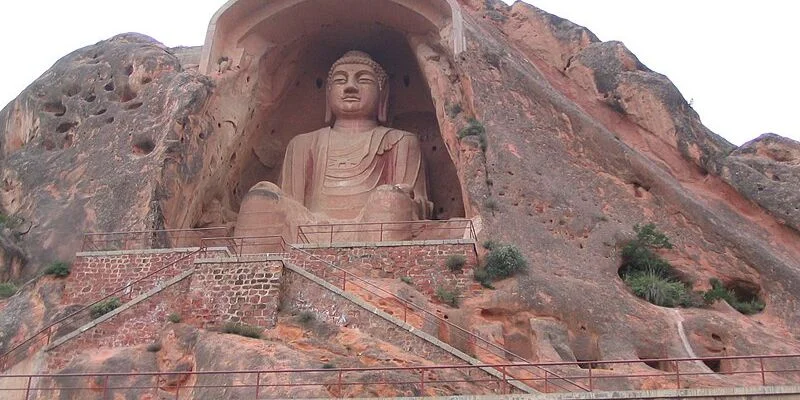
[(351, 88)]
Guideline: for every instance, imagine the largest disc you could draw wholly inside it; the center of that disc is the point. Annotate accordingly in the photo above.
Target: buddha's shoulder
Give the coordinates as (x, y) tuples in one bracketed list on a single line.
[(396, 135)]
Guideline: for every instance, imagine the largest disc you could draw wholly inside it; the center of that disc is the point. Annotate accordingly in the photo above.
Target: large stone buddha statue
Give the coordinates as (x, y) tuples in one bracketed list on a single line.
[(354, 170)]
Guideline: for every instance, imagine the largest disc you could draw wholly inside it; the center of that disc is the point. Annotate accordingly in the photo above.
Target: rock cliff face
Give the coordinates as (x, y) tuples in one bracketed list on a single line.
[(584, 142), (84, 147)]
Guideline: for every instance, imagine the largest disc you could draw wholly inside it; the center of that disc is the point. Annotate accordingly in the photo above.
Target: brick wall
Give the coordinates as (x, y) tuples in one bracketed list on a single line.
[(237, 291), (137, 325), (93, 276), (423, 264)]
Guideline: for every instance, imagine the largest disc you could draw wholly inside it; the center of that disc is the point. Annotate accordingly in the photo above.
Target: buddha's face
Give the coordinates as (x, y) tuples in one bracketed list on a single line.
[(353, 92)]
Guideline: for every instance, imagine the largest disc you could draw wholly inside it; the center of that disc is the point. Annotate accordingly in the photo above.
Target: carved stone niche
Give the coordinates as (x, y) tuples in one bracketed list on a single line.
[(270, 61)]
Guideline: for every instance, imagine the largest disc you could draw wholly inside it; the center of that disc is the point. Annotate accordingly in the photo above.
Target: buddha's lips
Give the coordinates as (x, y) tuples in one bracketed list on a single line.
[(351, 98)]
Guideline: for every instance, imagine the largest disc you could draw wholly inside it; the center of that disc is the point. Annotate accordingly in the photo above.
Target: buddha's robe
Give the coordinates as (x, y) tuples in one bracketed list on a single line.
[(334, 175)]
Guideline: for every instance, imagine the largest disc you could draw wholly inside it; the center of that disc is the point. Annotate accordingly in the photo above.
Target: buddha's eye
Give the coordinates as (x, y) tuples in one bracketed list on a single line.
[(365, 80), (339, 80)]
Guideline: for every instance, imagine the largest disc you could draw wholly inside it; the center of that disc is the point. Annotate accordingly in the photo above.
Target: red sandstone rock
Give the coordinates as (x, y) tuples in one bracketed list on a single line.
[(583, 142)]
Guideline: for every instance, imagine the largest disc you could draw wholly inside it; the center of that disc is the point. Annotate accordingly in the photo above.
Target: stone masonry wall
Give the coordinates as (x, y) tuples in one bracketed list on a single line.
[(236, 291), (94, 276), (138, 325), (424, 264)]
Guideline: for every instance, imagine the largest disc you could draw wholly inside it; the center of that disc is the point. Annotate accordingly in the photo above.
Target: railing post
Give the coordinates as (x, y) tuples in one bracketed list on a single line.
[(155, 385), (381, 234), (422, 382), (177, 389), (339, 384), (258, 383), (505, 380), (105, 388), (28, 388), (677, 374), (590, 377), (344, 280), (763, 376), (546, 388)]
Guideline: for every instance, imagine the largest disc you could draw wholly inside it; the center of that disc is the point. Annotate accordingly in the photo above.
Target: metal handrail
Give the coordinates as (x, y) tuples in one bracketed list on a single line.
[(239, 243), (46, 332), (342, 374), (303, 231), (92, 238), (411, 305)]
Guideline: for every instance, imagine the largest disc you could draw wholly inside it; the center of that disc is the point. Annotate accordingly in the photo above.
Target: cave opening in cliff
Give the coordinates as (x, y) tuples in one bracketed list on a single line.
[(278, 53)]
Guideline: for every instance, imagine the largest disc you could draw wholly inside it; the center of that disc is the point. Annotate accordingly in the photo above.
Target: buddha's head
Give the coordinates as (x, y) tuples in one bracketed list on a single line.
[(357, 89)]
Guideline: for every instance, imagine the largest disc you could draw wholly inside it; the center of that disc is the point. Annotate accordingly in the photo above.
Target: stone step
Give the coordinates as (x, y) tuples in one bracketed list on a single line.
[(405, 326)]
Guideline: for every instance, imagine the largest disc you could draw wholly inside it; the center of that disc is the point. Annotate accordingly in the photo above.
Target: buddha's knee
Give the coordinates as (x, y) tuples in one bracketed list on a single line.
[(389, 203), (265, 189)]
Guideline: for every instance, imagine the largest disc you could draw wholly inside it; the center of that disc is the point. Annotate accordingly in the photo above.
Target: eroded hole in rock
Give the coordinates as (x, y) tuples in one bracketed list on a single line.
[(146, 80), (72, 90), (68, 139), (90, 98), (109, 120), (65, 126), (129, 70), (100, 111), (319, 83), (143, 145), (109, 87), (742, 295), (714, 364), (128, 94), (652, 360), (133, 105), (56, 108)]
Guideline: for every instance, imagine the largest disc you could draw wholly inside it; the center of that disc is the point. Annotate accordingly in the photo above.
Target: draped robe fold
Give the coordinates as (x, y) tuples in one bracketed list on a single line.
[(335, 180)]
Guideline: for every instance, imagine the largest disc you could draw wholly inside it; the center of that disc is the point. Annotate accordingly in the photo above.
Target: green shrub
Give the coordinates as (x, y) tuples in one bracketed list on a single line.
[(174, 318), (306, 317), (10, 221), (656, 288), (242, 330), (504, 261), (481, 276), (455, 262), (638, 254), (453, 109), (7, 290), (491, 204), (474, 128), (447, 296), (104, 307), (718, 291), (58, 269), (407, 280), (489, 244)]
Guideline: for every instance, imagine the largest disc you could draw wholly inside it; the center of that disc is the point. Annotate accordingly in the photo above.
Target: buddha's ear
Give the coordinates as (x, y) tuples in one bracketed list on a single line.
[(383, 105), (328, 111)]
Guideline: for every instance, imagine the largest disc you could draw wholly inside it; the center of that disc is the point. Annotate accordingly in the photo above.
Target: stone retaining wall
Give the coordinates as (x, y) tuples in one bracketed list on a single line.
[(228, 290), (424, 264)]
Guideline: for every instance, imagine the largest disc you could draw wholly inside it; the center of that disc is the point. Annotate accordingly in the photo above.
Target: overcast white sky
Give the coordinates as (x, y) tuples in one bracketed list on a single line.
[(736, 59)]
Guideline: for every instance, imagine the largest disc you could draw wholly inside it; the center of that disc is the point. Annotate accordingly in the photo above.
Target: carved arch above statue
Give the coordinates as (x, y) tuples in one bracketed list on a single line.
[(242, 31)]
